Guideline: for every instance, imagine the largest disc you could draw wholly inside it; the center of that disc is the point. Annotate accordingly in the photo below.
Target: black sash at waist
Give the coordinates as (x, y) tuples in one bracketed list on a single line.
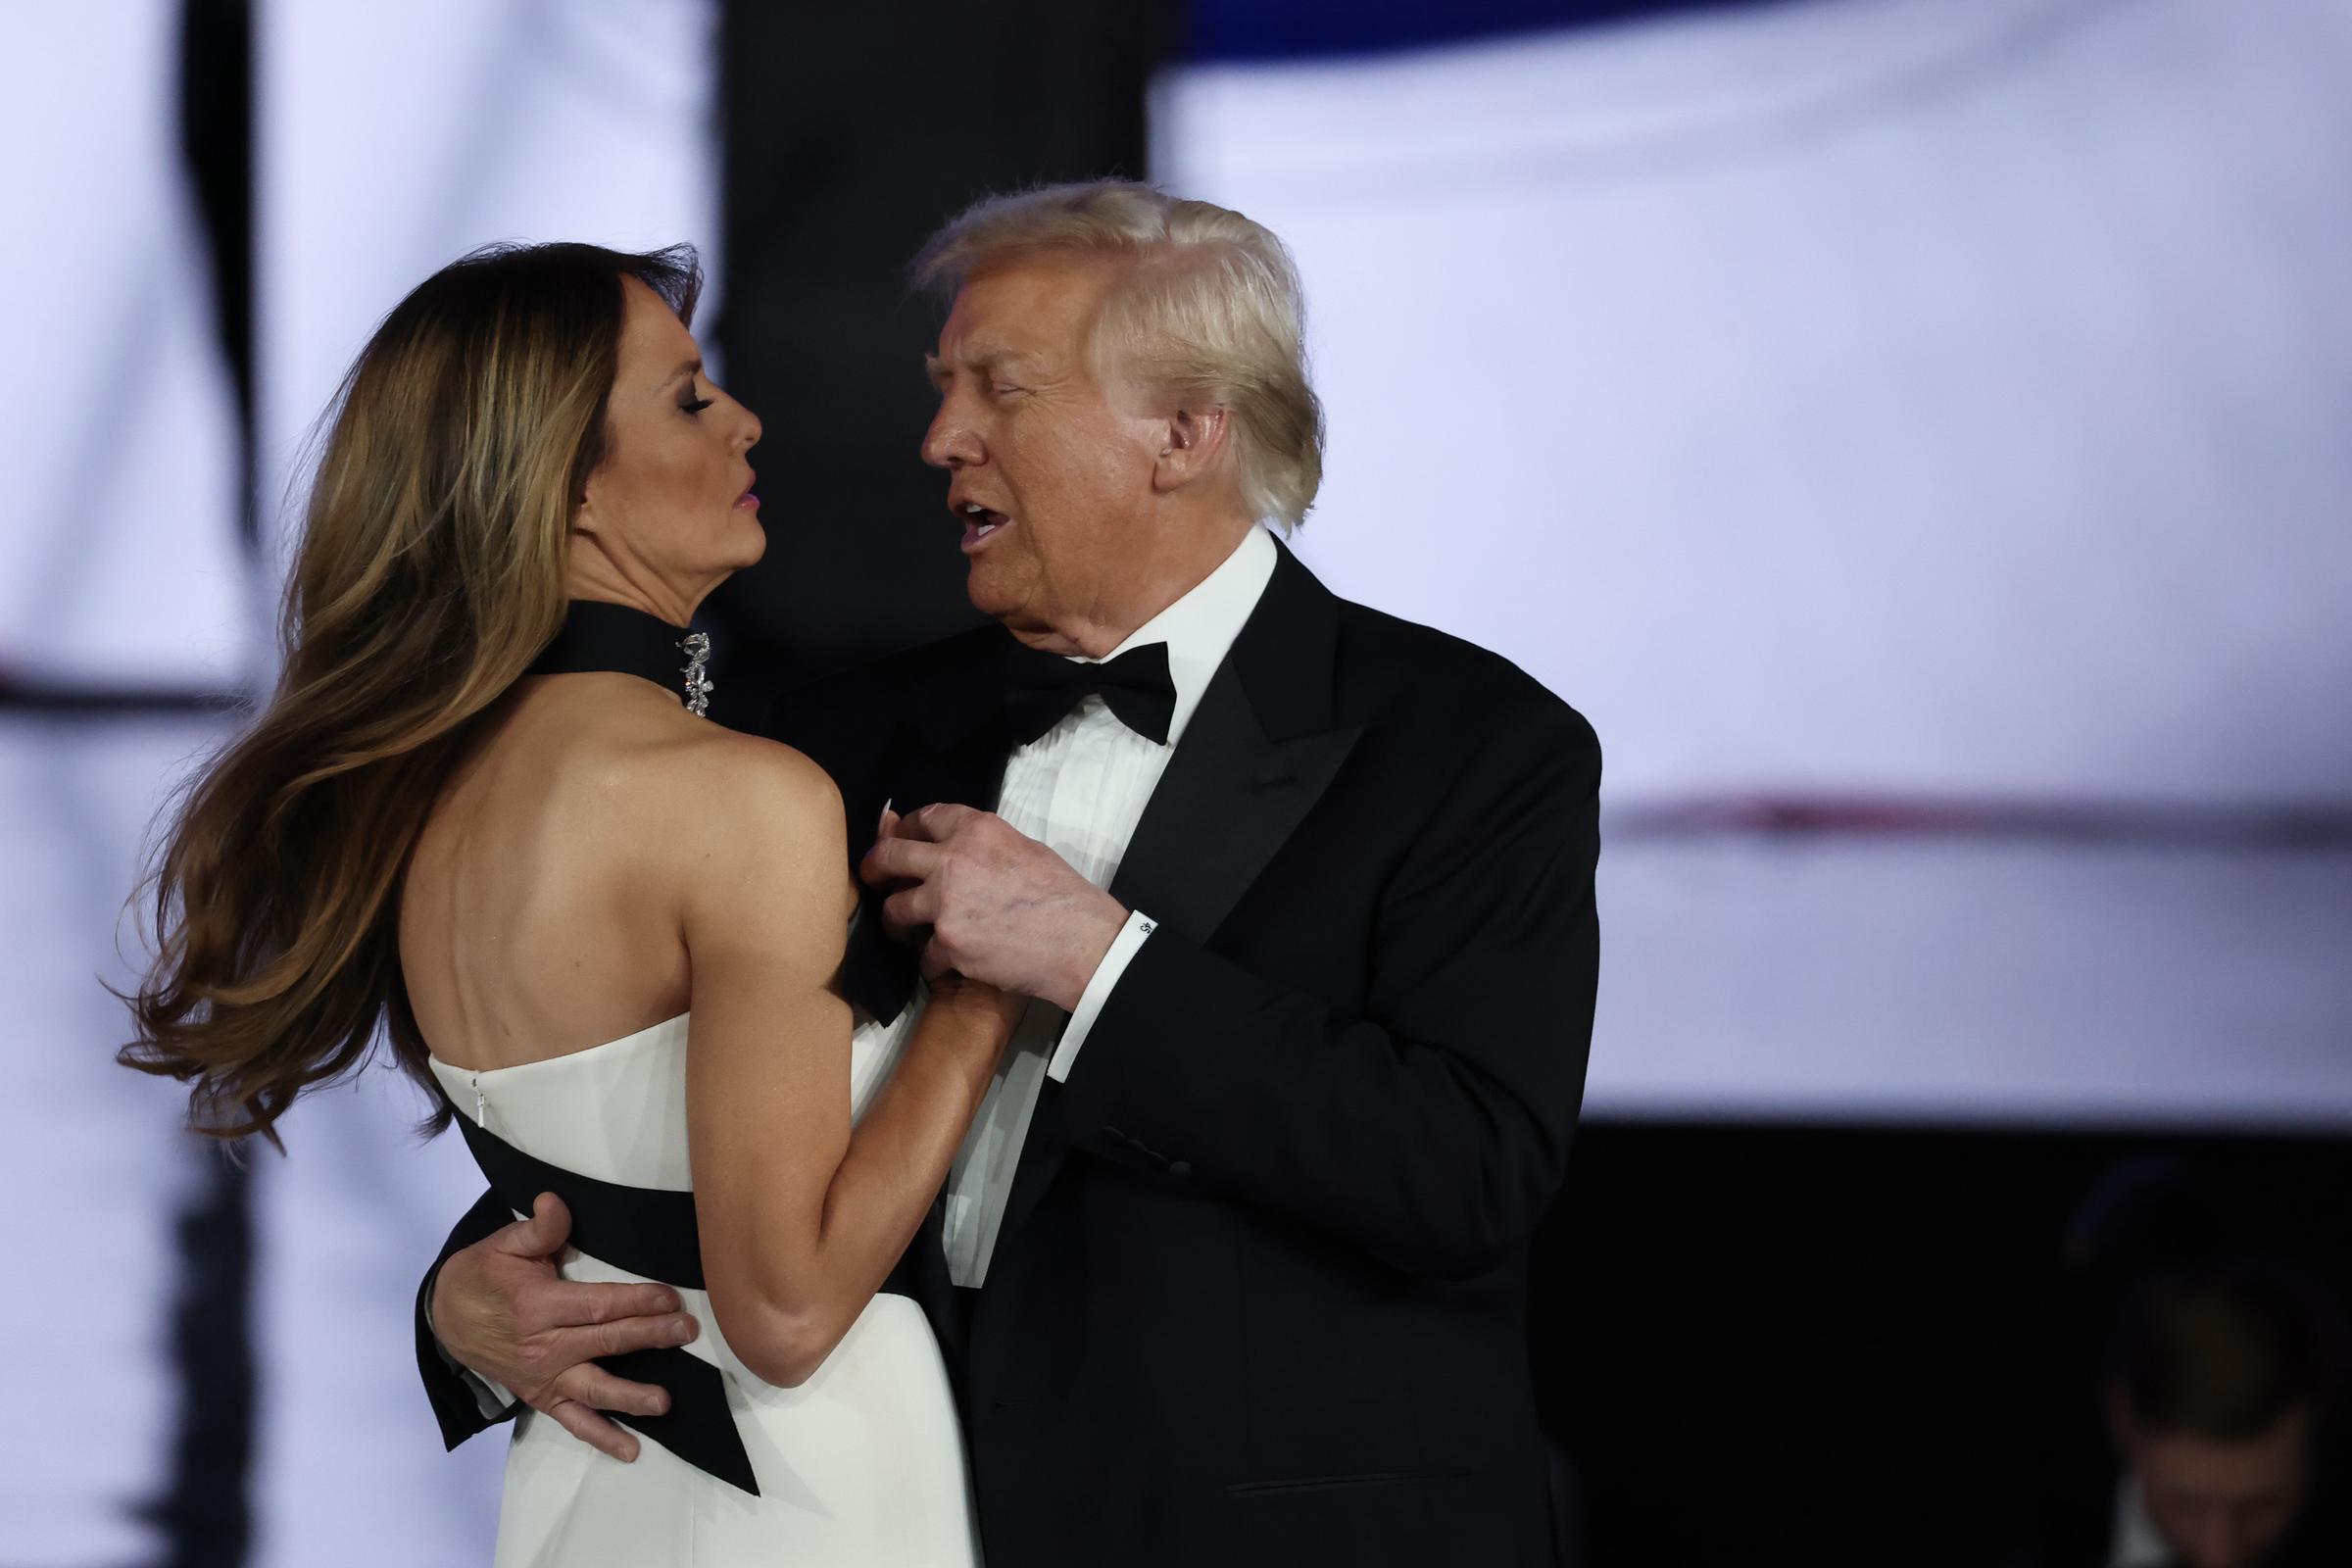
[(646, 1231)]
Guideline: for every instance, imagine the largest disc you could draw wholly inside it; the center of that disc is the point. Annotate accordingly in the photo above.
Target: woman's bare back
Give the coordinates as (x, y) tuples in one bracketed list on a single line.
[(542, 910)]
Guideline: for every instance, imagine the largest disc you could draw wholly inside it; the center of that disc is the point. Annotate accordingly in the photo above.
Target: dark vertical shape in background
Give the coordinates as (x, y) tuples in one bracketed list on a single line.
[(216, 130), (205, 1509), (849, 133)]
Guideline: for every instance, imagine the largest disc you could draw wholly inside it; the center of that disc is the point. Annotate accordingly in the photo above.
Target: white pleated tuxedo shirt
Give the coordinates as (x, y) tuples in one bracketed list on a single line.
[(1080, 789)]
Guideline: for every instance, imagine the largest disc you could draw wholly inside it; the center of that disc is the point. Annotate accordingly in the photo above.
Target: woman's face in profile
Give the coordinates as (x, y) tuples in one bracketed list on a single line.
[(673, 491)]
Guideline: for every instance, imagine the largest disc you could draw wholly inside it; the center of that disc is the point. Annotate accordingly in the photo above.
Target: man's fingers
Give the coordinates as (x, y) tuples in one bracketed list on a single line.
[(570, 1304), (900, 859), (910, 911), (936, 822), (543, 1233), (589, 1342), (592, 1429), (599, 1389), (930, 823)]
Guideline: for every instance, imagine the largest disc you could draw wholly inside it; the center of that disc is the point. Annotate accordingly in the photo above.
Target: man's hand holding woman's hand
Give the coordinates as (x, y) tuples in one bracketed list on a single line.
[(500, 1308), (987, 901)]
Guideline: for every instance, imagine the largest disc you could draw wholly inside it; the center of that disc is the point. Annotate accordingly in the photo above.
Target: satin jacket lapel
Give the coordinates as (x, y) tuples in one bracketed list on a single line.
[(1231, 797), (1259, 751)]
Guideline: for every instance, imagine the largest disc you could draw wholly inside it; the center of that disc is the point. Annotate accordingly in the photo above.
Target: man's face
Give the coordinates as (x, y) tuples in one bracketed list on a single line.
[(1059, 471), (2220, 1505)]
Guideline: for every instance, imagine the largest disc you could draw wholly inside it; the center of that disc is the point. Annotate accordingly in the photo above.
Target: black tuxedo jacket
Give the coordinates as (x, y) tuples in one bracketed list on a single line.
[(1258, 1296)]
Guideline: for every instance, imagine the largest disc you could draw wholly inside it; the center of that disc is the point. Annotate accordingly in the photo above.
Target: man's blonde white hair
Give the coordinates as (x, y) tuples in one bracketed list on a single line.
[(1207, 313)]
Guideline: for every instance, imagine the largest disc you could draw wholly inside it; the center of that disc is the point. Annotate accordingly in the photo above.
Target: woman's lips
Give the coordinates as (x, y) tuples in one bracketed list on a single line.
[(748, 502)]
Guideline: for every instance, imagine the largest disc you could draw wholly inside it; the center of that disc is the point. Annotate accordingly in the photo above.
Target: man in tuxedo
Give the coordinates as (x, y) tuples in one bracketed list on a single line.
[(1232, 1266)]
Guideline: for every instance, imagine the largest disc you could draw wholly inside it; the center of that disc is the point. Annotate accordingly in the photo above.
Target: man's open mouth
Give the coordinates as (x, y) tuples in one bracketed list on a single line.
[(979, 522)]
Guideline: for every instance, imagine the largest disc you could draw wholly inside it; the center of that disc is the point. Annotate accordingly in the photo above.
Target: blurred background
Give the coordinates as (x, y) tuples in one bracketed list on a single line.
[(1913, 431)]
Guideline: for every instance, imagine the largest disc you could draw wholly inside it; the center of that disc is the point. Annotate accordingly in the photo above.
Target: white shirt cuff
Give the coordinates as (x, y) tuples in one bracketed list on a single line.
[(1123, 949), (488, 1397)]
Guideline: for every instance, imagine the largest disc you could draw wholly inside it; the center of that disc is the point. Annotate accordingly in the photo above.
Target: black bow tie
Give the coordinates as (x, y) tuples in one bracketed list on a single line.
[(1041, 689)]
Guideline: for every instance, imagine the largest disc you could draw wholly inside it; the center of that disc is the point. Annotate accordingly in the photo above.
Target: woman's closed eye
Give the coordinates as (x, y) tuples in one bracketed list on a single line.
[(690, 404)]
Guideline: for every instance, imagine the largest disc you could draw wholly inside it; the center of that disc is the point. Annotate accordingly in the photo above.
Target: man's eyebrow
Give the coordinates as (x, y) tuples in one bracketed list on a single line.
[(986, 359)]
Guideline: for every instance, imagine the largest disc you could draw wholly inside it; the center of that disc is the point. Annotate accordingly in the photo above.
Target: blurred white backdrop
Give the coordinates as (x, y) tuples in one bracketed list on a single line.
[(1902, 408), (118, 558), (389, 141)]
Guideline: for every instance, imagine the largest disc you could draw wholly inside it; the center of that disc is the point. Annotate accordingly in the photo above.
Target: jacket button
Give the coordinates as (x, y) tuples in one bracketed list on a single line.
[(1181, 1170)]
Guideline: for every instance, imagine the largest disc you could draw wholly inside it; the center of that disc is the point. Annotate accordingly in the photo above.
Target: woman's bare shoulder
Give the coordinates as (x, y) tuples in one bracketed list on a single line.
[(726, 796), (757, 768)]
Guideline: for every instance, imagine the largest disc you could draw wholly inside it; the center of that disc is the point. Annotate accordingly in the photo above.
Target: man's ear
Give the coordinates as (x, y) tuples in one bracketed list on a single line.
[(1192, 446)]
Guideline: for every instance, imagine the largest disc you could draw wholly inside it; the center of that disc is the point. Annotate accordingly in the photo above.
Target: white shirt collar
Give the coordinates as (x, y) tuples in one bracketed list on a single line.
[(1200, 629)]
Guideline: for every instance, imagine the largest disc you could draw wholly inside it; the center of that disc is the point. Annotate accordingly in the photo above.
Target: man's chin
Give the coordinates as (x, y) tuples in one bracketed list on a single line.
[(990, 593)]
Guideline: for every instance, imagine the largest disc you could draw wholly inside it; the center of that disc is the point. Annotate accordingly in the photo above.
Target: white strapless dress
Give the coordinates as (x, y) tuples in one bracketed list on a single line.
[(863, 1464)]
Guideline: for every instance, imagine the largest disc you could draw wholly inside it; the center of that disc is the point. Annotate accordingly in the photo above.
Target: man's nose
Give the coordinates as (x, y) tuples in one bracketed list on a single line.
[(949, 443)]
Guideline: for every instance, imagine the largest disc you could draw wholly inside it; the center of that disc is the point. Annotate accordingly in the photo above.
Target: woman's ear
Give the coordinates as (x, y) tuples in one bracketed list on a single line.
[(1192, 446)]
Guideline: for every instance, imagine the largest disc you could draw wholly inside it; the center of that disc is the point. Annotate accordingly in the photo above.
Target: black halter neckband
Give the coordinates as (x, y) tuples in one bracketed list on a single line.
[(598, 636)]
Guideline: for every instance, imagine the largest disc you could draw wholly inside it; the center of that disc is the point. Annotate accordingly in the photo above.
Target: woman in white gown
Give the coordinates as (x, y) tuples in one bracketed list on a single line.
[(483, 813)]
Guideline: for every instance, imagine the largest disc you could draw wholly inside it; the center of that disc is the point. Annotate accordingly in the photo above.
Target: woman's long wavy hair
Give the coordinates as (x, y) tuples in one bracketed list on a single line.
[(429, 575)]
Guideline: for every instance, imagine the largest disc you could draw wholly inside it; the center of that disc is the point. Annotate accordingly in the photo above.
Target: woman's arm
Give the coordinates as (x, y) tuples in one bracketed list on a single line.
[(801, 1219)]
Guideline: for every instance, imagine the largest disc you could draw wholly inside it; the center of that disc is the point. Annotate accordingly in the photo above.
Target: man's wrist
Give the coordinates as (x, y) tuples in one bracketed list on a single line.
[(433, 1311), (1087, 960), (433, 1321)]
